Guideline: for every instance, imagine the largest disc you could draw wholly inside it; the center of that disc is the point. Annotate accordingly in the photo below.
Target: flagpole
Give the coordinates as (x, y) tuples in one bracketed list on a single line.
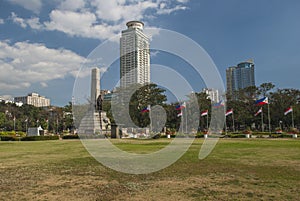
[(150, 119), (186, 114), (262, 120), (233, 127), (293, 118), (269, 117), (182, 120), (225, 124), (14, 123), (207, 121)]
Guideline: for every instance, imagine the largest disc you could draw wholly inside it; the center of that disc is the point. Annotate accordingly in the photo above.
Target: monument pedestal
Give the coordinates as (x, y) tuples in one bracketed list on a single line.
[(94, 123)]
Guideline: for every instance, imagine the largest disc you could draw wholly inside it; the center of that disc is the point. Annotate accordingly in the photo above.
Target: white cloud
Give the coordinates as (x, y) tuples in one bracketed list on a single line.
[(44, 84), (80, 24), (33, 22), (1, 21), (99, 19), (164, 10), (116, 10), (32, 5), (18, 20), (183, 1), (19, 68), (72, 5)]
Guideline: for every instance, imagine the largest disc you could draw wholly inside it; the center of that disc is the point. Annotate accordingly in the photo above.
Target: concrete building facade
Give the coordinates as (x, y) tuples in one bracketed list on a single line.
[(33, 99), (213, 94), (240, 76), (134, 55)]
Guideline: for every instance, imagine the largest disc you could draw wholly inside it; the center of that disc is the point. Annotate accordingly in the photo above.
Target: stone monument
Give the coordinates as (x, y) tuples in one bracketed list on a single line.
[(95, 120)]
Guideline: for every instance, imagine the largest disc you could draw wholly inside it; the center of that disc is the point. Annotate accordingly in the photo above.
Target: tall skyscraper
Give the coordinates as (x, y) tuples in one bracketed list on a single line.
[(135, 55), (240, 76)]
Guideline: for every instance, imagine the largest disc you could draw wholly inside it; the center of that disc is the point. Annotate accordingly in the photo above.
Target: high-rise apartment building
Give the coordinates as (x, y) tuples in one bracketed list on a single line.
[(34, 99), (135, 55), (240, 76)]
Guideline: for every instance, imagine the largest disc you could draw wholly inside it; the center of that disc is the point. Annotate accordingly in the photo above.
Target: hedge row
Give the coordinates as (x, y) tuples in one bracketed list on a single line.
[(28, 138), (67, 137), (38, 138)]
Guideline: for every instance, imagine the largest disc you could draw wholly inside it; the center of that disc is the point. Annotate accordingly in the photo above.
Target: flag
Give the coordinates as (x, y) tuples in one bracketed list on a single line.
[(290, 109), (14, 118), (179, 114), (219, 104), (181, 106), (229, 112), (258, 112), (46, 120), (146, 109), (204, 113), (262, 101)]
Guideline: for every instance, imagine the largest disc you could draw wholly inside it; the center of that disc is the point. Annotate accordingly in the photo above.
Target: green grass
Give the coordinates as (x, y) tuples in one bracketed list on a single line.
[(237, 169)]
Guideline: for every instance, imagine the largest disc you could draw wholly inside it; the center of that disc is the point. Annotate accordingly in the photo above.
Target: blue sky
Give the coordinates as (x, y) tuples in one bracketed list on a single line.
[(44, 43)]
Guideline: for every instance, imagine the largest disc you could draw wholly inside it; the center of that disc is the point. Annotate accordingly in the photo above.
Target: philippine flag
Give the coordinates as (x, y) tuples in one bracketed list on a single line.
[(290, 109), (146, 109), (262, 101), (204, 113), (229, 112), (181, 106), (258, 112)]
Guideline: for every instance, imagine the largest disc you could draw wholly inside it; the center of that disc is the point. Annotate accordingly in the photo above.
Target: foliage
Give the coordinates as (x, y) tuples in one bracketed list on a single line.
[(8, 138), (236, 136), (59, 119), (65, 137), (40, 138), (53, 119)]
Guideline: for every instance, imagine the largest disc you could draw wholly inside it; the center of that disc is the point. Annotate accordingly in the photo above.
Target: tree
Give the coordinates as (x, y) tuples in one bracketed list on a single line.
[(265, 88)]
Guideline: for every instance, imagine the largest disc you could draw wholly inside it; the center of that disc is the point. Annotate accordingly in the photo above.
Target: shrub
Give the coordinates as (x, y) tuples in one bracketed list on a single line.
[(67, 137), (236, 135), (156, 136), (199, 135), (39, 138), (280, 136), (8, 138), (7, 133)]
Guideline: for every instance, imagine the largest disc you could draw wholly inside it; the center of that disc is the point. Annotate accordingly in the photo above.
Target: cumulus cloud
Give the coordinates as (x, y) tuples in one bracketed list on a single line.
[(33, 22), (18, 20), (1, 21), (80, 24), (32, 5), (99, 19), (170, 10), (72, 5), (19, 68)]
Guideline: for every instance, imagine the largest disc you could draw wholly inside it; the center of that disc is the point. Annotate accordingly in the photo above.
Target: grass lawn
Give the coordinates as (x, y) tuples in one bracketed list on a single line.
[(237, 169)]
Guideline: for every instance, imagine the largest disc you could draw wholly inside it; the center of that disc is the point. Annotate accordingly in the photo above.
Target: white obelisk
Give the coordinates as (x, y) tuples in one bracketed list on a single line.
[(95, 86)]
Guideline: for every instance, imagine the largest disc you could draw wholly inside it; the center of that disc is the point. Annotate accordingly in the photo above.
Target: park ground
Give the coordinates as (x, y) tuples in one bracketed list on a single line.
[(237, 169)]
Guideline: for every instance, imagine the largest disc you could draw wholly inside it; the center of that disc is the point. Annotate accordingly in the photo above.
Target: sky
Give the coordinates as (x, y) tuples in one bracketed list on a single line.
[(43, 44)]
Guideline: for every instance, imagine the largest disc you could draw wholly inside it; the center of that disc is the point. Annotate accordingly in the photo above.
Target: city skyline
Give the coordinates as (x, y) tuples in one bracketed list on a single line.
[(44, 43)]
